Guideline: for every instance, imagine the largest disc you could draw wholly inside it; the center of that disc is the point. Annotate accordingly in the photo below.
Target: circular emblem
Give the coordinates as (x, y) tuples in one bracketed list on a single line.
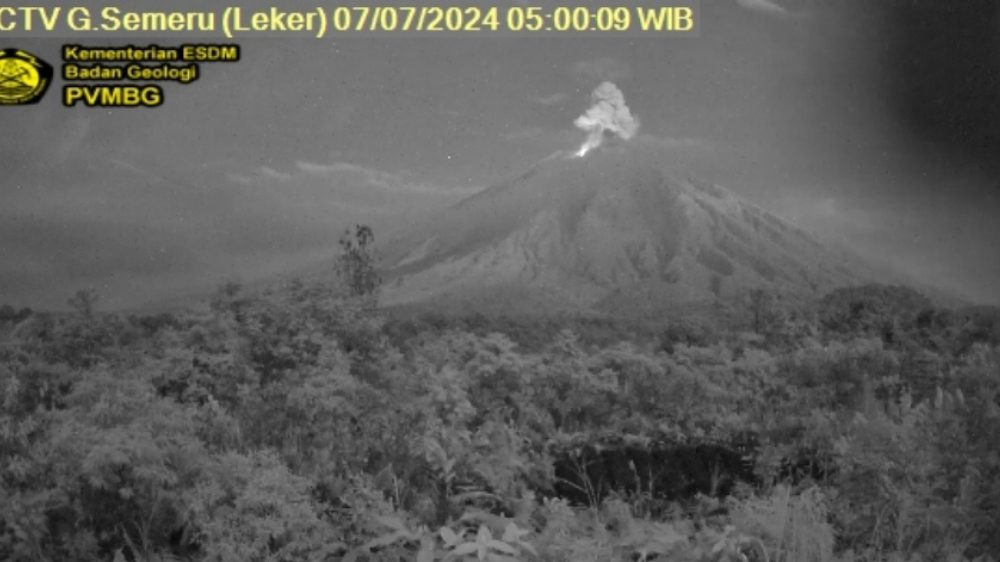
[(23, 77)]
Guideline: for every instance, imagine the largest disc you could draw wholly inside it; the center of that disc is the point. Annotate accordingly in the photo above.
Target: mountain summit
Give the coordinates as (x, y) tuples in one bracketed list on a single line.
[(615, 227)]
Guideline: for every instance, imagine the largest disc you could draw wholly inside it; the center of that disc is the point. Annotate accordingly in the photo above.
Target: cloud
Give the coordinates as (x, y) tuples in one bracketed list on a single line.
[(275, 174), (344, 177), (128, 166), (375, 178), (602, 69), (50, 256), (834, 217), (765, 7), (129, 227), (551, 99), (237, 178)]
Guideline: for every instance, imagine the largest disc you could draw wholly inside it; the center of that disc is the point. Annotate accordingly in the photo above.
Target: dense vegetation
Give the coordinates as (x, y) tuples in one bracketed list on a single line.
[(303, 424)]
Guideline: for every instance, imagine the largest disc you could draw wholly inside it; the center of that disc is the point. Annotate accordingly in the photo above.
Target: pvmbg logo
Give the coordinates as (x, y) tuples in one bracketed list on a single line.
[(23, 77)]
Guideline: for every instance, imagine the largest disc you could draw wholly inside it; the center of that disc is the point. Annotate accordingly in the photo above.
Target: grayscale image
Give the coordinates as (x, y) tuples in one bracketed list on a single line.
[(730, 295)]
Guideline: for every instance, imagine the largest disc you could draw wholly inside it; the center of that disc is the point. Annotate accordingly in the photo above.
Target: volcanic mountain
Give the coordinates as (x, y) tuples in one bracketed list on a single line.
[(613, 230)]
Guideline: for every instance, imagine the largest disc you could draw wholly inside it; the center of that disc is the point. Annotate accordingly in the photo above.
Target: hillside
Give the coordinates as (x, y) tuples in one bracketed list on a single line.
[(614, 230)]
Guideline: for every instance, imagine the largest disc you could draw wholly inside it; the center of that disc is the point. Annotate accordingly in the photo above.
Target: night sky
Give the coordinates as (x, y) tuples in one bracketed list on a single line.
[(876, 124)]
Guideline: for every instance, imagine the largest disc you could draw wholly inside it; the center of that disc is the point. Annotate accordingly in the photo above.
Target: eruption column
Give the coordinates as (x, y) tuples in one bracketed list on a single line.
[(607, 113)]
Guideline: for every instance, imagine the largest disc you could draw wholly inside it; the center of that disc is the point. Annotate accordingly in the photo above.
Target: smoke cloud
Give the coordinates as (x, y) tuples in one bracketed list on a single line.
[(607, 114)]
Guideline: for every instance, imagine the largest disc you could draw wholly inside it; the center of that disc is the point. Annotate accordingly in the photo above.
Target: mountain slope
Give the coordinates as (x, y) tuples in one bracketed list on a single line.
[(613, 229)]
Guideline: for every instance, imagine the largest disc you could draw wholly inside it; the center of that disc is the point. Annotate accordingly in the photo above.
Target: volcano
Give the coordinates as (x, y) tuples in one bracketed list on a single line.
[(617, 229)]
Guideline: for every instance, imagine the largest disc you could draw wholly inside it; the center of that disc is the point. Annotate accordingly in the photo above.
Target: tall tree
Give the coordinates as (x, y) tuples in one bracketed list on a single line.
[(358, 261), (84, 301), (761, 304)]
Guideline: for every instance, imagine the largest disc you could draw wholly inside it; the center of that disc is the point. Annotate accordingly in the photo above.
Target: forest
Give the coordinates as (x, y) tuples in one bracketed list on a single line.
[(304, 422)]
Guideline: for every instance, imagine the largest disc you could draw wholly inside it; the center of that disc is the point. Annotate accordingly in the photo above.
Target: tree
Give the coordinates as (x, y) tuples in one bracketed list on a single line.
[(761, 304), (715, 285), (358, 262), (84, 301), (22, 314)]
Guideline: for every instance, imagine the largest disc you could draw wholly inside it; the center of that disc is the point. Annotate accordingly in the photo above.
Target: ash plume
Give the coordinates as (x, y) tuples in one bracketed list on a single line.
[(607, 114)]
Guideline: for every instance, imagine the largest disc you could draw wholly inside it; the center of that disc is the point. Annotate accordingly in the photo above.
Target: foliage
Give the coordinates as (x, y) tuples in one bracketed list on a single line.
[(358, 264), (297, 423), (792, 528), (251, 508)]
